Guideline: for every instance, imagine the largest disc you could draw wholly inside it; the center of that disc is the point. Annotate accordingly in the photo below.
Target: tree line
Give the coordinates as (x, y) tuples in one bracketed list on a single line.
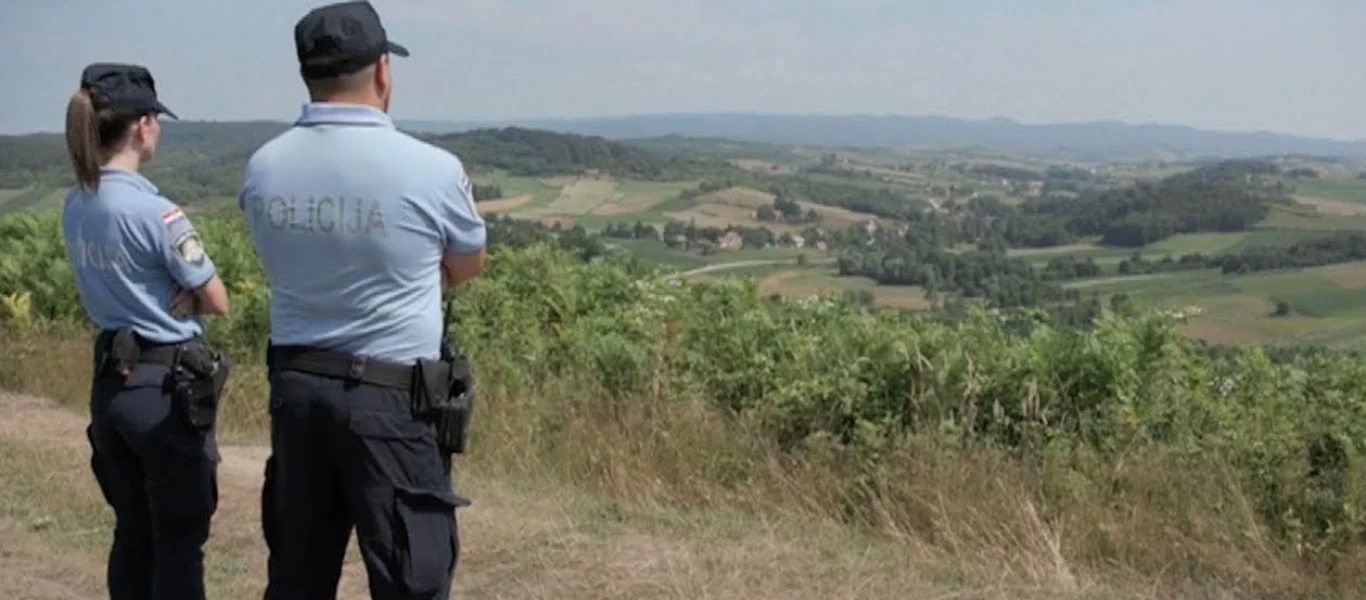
[(1224, 197), (539, 153)]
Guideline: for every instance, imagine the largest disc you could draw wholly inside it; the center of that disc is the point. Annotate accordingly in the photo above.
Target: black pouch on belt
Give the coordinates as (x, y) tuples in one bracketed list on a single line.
[(116, 352), (460, 397), (441, 394), (199, 377)]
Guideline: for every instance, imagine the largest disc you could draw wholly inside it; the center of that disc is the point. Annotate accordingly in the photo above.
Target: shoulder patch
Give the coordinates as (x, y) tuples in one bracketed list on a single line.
[(184, 239), (172, 215), (190, 249)]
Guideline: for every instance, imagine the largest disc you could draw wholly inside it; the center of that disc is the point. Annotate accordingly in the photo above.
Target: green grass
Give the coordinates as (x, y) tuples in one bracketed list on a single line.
[(1057, 455), (33, 197), (1341, 190), (657, 252), (541, 192), (1192, 243), (1306, 218), (1323, 311), (1308, 291), (1208, 244)]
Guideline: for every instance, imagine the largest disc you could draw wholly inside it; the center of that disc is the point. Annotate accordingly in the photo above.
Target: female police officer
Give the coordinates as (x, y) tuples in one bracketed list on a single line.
[(143, 278)]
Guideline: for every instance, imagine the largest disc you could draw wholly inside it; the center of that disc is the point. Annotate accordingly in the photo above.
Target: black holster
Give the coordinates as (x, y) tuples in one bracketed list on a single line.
[(443, 393), (199, 375)]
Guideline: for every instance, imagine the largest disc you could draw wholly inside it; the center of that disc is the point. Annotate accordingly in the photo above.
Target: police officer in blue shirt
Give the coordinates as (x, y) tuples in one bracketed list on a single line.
[(143, 278), (360, 228)]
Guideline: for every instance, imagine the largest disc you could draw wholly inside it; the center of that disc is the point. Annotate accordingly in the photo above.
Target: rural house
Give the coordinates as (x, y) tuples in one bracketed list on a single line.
[(730, 241)]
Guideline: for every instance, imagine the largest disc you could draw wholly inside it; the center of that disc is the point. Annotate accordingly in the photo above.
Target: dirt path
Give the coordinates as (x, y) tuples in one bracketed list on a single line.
[(520, 539), (27, 570)]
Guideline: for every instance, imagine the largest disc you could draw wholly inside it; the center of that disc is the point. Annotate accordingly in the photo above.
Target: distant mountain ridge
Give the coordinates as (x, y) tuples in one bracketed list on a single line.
[(1099, 140)]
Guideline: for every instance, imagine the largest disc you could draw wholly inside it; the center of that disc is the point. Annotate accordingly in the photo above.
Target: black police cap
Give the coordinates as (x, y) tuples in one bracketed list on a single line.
[(341, 38), (127, 90)]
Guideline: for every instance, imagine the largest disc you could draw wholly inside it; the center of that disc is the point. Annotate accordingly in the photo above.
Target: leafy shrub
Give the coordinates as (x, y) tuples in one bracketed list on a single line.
[(807, 373)]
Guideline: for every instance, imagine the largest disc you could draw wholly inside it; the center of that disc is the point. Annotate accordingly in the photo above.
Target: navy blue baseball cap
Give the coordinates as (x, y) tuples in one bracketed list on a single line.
[(341, 38), (127, 90)]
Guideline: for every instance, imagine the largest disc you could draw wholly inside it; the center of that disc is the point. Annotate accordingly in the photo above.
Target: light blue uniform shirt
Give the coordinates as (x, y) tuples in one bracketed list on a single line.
[(350, 217), (129, 248)]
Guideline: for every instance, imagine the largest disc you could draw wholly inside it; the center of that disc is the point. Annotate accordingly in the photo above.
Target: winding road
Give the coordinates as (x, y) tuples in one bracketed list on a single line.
[(739, 264)]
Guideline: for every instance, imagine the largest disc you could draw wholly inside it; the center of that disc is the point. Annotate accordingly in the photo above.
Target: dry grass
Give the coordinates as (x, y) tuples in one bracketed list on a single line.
[(503, 204), (807, 283), (634, 197), (720, 203), (1216, 332), (1350, 276), (725, 215), (560, 180), (518, 542), (763, 166), (737, 196), (9, 194), (835, 217), (1332, 207), (581, 197), (662, 497), (611, 209), (736, 206), (1059, 250)]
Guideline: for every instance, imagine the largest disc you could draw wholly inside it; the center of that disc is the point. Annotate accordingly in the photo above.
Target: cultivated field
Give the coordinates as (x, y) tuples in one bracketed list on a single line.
[(825, 281), (7, 195), (1327, 304), (1333, 197), (587, 201), (17, 199), (737, 206)]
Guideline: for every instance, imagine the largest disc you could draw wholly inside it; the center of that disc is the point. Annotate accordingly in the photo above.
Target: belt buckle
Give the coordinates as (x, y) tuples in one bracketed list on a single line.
[(356, 368)]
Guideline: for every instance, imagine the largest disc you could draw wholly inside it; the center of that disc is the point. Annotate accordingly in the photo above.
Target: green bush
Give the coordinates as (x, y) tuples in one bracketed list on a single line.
[(829, 371)]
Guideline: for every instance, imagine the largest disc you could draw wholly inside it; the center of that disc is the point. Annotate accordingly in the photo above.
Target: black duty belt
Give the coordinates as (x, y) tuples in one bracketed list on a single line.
[(157, 353), (330, 363)]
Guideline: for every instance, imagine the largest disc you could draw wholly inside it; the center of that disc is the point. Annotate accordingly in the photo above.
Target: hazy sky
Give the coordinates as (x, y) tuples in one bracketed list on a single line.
[(1293, 66)]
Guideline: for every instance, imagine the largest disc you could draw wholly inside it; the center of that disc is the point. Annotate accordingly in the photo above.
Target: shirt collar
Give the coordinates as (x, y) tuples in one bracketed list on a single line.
[(132, 178), (338, 113)]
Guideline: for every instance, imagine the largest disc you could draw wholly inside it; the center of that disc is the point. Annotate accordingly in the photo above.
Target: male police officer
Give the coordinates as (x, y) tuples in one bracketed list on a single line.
[(360, 228)]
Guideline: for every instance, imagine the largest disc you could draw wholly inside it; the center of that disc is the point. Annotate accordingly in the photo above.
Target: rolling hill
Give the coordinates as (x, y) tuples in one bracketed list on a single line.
[(1094, 141)]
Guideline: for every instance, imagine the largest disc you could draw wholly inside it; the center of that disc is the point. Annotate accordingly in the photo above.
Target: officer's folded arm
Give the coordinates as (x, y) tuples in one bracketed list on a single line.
[(458, 268), (211, 298)]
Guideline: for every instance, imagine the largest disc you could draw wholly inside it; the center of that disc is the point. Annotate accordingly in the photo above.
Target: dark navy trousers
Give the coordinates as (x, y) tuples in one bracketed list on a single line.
[(350, 455), (160, 476)]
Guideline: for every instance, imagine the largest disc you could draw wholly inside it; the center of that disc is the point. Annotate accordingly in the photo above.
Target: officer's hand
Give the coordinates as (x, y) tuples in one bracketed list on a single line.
[(183, 302)]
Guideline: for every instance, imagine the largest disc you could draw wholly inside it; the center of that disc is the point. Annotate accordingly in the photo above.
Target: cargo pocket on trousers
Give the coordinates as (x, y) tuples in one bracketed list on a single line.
[(424, 537), (97, 465)]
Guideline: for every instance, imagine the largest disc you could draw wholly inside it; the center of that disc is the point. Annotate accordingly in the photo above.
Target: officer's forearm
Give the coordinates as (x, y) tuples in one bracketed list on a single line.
[(211, 298), (456, 269)]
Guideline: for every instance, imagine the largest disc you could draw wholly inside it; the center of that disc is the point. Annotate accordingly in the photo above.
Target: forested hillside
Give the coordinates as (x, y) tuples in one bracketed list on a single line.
[(200, 161), (1230, 196), (530, 152)]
